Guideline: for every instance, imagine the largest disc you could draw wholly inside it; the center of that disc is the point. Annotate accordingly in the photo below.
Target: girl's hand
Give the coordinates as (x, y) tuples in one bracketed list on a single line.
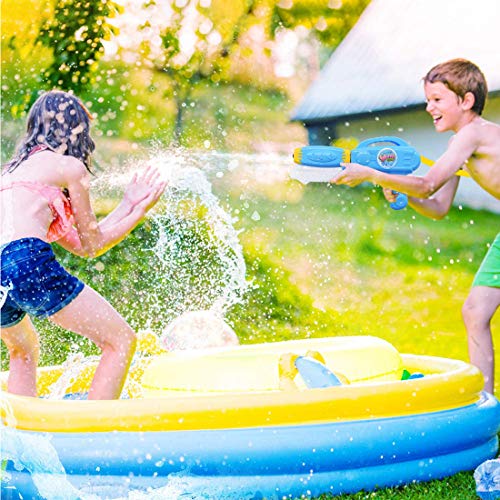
[(352, 174), (145, 189)]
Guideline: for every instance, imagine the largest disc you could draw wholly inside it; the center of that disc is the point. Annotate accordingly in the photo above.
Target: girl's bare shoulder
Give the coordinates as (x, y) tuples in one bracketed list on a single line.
[(64, 167), (48, 167)]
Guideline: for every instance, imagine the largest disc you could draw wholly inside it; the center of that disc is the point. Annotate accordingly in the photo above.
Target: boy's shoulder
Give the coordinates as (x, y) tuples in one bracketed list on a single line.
[(482, 122), (481, 131)]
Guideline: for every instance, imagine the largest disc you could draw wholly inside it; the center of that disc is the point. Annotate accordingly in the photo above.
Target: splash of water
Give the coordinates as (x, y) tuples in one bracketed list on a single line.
[(188, 246), (35, 452), (72, 370), (190, 207)]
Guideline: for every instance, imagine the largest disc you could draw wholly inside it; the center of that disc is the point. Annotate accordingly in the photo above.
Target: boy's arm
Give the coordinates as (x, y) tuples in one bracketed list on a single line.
[(460, 149), (435, 207)]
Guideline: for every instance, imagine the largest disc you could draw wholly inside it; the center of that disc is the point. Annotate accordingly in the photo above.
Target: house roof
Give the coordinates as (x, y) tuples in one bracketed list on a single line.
[(380, 63)]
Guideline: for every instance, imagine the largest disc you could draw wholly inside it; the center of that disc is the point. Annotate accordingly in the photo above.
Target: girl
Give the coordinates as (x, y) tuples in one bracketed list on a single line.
[(44, 198)]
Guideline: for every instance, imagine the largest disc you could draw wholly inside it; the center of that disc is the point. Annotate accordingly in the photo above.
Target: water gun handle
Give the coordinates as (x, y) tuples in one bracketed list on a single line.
[(405, 160), (400, 202)]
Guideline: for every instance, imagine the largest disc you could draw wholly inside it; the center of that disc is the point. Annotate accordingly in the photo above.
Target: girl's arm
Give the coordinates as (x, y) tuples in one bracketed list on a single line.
[(90, 238)]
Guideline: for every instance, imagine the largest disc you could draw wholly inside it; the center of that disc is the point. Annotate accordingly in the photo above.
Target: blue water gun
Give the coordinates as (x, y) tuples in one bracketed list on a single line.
[(387, 154)]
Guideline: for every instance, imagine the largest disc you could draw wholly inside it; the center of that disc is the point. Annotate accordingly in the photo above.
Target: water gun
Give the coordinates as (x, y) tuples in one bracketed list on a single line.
[(387, 154)]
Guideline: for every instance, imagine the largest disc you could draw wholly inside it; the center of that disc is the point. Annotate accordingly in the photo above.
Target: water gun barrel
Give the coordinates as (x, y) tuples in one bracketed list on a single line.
[(321, 156), (386, 154), (317, 163)]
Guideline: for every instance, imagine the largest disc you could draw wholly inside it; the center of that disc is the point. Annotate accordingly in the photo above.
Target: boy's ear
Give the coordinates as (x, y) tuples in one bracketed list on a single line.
[(468, 101)]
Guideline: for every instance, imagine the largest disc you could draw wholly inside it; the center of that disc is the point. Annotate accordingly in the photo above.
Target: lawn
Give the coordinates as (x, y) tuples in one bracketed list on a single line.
[(369, 269)]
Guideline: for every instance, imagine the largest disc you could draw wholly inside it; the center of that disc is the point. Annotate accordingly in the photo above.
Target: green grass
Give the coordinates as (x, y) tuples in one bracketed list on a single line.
[(365, 269), (458, 487), (371, 270), (323, 261)]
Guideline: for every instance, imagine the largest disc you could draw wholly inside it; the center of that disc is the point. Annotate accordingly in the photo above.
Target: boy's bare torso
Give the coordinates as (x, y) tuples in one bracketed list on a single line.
[(484, 163)]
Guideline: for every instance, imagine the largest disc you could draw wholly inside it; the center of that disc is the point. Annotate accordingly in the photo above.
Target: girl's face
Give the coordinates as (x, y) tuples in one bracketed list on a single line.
[(444, 106)]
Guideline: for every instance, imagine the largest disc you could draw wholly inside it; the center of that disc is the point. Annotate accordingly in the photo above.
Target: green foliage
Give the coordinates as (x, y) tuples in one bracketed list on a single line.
[(131, 108), (330, 23), (75, 34), (274, 308), (222, 40), (61, 49), (206, 61), (4, 475), (64, 46)]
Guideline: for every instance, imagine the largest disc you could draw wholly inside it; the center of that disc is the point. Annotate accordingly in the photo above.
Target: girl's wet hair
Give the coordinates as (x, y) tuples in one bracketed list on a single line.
[(461, 76), (61, 122)]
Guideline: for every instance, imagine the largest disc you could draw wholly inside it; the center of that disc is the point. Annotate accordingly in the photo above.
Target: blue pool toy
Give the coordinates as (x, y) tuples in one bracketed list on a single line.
[(315, 374), (386, 154)]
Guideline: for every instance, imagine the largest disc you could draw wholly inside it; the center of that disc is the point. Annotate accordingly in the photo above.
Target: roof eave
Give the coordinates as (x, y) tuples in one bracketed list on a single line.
[(367, 114), (352, 116)]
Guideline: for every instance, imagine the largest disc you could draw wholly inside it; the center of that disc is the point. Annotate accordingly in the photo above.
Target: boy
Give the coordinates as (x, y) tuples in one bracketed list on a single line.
[(455, 92)]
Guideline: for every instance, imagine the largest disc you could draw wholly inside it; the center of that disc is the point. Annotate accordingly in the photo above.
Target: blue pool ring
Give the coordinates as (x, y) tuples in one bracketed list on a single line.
[(276, 461)]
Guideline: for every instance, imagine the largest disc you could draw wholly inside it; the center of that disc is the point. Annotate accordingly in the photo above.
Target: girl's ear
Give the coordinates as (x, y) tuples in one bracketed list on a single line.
[(468, 101)]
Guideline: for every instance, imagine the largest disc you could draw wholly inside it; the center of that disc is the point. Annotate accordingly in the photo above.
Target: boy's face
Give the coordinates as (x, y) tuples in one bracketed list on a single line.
[(444, 106)]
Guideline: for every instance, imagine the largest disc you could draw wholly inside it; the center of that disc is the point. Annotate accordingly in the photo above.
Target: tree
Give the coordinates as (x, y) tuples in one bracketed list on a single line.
[(212, 28), (329, 20), (75, 33), (217, 29), (191, 42)]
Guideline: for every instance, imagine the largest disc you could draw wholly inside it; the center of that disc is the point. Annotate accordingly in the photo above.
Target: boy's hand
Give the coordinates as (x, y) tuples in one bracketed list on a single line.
[(390, 195), (352, 174)]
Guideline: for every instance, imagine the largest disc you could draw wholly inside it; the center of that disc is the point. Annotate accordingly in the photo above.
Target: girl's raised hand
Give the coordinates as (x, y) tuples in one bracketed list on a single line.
[(145, 188)]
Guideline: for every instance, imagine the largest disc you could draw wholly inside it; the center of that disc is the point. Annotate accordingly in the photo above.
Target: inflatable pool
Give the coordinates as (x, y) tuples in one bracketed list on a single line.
[(281, 420)]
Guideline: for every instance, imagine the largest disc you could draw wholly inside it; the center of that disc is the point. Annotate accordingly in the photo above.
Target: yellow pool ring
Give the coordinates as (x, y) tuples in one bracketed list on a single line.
[(256, 367), (447, 384)]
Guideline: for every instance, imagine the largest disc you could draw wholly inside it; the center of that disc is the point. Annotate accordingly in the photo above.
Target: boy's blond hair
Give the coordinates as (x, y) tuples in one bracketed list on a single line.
[(461, 76)]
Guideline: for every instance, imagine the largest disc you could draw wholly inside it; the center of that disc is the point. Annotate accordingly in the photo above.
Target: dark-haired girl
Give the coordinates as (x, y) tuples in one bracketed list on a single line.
[(44, 198)]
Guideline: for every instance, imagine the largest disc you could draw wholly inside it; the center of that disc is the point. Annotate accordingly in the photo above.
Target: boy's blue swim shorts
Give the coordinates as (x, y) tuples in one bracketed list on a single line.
[(32, 281)]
